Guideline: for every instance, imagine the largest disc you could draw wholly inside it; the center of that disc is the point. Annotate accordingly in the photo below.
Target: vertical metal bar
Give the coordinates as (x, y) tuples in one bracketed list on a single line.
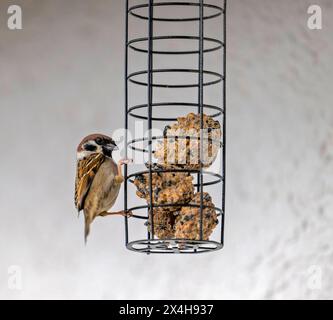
[(126, 123), (150, 112), (201, 106), (224, 117)]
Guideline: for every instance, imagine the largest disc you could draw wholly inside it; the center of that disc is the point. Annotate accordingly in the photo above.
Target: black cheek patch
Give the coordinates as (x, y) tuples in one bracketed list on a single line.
[(90, 147)]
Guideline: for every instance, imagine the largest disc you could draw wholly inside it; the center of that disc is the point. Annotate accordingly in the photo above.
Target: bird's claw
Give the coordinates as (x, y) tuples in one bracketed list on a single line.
[(128, 214)]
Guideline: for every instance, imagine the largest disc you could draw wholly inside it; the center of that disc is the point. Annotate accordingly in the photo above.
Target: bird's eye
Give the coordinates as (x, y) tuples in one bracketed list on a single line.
[(90, 147), (99, 141)]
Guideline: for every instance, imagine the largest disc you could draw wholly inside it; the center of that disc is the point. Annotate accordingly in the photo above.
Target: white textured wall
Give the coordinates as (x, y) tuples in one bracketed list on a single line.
[(62, 77)]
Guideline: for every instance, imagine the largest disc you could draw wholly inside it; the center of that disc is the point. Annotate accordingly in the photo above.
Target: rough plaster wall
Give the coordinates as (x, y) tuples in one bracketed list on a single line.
[(280, 111), (60, 75)]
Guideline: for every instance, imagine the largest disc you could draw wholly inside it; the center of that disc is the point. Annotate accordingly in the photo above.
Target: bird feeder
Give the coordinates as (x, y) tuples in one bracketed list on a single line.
[(177, 68)]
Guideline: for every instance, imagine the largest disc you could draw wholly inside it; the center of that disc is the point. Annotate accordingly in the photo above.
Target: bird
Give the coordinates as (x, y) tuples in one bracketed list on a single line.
[(98, 179)]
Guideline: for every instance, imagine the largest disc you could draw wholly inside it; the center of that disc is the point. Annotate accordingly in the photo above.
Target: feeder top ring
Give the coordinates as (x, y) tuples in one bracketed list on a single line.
[(133, 11)]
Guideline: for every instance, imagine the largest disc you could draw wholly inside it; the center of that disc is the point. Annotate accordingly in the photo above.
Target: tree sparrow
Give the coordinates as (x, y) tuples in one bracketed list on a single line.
[(98, 178)]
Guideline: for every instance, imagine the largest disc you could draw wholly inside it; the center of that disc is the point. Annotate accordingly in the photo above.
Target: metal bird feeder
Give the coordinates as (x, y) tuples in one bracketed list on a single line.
[(155, 17)]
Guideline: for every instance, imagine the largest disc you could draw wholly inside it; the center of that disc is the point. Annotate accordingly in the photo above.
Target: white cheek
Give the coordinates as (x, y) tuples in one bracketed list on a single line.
[(83, 154)]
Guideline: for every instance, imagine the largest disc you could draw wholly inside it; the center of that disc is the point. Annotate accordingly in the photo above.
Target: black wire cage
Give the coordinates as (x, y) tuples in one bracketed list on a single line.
[(152, 14)]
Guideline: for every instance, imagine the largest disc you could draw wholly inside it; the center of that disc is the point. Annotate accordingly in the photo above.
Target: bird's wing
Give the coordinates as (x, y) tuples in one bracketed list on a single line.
[(85, 174)]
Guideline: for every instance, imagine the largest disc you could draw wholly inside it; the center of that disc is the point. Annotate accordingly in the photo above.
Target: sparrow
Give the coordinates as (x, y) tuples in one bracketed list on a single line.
[(98, 179)]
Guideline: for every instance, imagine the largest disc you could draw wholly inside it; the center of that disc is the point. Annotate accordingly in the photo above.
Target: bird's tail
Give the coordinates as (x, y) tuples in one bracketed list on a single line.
[(87, 222)]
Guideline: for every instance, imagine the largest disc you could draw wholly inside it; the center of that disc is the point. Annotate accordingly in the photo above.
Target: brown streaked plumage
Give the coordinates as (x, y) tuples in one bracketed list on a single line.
[(98, 178), (86, 171)]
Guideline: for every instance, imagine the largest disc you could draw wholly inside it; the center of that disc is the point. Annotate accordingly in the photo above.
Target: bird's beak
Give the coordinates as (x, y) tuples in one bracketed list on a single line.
[(109, 148), (112, 147)]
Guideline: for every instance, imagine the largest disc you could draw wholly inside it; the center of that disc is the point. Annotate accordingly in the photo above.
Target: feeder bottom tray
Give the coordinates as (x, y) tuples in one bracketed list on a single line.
[(174, 246)]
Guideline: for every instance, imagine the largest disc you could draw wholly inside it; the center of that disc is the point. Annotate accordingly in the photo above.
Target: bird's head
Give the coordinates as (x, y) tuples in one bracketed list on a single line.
[(96, 143)]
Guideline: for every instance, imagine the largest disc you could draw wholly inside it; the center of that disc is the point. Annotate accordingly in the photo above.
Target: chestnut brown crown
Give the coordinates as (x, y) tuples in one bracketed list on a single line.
[(96, 143)]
